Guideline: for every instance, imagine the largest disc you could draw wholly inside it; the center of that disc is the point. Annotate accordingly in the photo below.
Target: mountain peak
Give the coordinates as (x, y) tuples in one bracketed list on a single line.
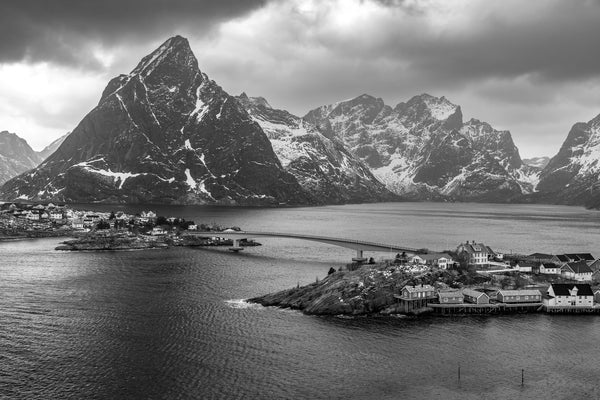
[(175, 50)]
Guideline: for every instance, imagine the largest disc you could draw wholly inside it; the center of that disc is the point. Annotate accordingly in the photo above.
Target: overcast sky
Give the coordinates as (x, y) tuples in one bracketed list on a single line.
[(529, 66)]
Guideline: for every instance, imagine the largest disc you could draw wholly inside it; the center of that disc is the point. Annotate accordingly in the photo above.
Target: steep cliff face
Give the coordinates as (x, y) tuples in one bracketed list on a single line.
[(165, 133), (572, 175), (16, 156), (422, 148), (322, 166)]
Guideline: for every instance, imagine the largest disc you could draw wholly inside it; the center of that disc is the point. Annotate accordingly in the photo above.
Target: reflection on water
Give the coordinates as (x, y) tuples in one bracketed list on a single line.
[(171, 323)]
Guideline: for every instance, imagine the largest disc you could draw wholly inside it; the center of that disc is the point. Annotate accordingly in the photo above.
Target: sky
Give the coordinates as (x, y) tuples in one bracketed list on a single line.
[(528, 66)]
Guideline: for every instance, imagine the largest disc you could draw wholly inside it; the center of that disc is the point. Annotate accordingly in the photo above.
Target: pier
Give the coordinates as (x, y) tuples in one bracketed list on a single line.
[(493, 308)]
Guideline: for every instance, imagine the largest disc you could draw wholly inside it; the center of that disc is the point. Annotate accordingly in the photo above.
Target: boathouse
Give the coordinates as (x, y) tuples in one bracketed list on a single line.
[(519, 296), (413, 298), (453, 297), (475, 297)]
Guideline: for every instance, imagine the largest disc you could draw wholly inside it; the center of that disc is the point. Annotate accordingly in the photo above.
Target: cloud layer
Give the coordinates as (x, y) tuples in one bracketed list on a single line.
[(530, 67)]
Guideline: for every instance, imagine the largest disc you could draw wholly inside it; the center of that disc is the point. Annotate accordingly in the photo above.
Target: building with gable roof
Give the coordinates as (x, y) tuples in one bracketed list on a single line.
[(578, 271), (569, 294), (477, 255)]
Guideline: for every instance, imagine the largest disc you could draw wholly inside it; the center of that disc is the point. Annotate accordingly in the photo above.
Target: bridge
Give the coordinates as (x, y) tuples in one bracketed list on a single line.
[(359, 246)]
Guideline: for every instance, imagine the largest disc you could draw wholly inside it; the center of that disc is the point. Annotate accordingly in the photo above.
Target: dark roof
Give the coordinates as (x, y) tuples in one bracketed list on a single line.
[(540, 255), (531, 264), (550, 265), (562, 289), (563, 257), (581, 256), (579, 267)]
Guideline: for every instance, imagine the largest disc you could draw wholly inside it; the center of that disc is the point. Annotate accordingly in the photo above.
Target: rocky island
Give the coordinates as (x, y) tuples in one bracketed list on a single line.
[(366, 290)]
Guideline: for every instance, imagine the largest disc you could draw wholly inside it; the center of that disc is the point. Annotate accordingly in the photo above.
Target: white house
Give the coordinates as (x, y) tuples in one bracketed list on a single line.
[(570, 294), (157, 231), (578, 271), (549, 268), (476, 254)]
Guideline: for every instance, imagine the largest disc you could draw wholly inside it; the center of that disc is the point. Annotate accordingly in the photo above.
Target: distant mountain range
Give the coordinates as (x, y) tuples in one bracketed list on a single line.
[(166, 133)]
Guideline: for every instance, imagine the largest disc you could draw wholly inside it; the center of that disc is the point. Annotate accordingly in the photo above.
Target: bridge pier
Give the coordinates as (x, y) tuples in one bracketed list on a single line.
[(236, 246), (359, 257)]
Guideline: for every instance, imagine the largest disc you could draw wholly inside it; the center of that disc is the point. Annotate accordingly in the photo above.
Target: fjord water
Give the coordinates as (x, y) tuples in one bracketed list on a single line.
[(170, 324)]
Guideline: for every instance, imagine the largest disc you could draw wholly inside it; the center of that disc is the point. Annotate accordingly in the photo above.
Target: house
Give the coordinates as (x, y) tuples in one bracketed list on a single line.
[(570, 294), (412, 298), (549, 268), (475, 297), (574, 257), (519, 296), (577, 271), (77, 223), (193, 227), (33, 216), (597, 296), (453, 297), (595, 266), (587, 257), (158, 231), (526, 266), (439, 260), (56, 215), (477, 255)]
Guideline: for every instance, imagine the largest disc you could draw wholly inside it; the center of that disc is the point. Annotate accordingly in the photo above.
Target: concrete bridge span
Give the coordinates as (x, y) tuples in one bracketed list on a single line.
[(358, 245)]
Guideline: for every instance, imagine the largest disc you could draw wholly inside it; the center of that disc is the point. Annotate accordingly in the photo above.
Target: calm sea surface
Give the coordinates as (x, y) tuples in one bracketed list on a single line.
[(170, 324)]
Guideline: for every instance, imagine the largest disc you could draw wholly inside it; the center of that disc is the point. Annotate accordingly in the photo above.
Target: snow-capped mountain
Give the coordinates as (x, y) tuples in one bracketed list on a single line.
[(573, 175), (164, 133), (52, 147), (16, 156), (423, 149), (321, 165)]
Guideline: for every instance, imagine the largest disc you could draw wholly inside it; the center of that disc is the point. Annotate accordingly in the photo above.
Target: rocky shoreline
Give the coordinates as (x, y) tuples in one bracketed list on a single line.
[(368, 290), (114, 242)]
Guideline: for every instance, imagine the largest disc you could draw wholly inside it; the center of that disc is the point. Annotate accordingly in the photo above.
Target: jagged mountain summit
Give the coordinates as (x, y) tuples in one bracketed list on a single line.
[(322, 165), (16, 156), (573, 175), (422, 149), (164, 133)]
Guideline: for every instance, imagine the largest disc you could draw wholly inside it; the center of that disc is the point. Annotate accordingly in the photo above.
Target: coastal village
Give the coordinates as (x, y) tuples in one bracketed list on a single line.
[(105, 230), (472, 279), (555, 283)]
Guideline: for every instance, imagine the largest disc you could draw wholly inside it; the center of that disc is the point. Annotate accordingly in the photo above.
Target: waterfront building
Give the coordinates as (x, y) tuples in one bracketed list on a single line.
[(477, 255), (413, 298), (540, 257), (570, 294), (475, 297), (453, 297), (158, 231), (578, 271), (519, 296)]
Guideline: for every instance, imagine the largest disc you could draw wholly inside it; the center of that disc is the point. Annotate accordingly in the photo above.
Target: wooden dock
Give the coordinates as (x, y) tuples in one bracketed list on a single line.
[(494, 308), (572, 309)]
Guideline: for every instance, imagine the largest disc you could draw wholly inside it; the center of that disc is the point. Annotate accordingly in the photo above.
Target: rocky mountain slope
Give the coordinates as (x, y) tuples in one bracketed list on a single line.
[(573, 175), (164, 133), (322, 166), (16, 156), (423, 149)]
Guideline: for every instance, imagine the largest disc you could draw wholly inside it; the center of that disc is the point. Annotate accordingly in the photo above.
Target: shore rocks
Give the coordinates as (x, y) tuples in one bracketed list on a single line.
[(367, 290)]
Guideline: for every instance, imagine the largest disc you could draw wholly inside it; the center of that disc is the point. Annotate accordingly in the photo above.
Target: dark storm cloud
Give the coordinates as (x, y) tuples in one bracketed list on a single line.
[(545, 40), (63, 31)]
